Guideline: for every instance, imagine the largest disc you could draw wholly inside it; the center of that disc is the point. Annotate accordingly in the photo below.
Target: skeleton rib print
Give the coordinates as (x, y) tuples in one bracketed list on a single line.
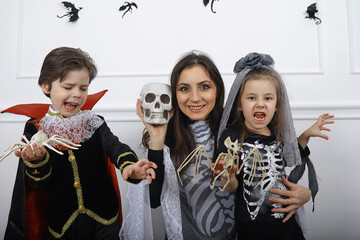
[(212, 210), (256, 197)]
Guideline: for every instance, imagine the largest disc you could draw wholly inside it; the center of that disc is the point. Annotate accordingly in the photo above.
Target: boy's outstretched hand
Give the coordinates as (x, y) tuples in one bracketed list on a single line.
[(142, 169), (31, 154)]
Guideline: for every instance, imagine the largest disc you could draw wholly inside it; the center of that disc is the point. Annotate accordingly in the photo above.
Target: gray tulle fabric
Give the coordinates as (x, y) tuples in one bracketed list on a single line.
[(242, 67)]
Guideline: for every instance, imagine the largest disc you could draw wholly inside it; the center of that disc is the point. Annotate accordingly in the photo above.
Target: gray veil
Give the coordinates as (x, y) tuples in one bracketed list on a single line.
[(242, 67)]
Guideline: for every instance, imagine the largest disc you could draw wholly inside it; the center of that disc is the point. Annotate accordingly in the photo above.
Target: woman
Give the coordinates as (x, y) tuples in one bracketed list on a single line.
[(197, 212)]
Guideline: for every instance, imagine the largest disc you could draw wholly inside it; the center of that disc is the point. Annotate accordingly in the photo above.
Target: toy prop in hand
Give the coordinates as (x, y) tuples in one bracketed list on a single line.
[(38, 110), (40, 139), (230, 158), (156, 103)]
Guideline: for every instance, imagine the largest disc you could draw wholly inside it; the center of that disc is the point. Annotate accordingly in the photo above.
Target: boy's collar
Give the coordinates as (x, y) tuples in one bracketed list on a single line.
[(53, 112), (38, 110)]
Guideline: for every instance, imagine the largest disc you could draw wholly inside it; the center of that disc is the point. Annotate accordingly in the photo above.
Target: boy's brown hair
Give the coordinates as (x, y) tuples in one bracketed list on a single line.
[(60, 61)]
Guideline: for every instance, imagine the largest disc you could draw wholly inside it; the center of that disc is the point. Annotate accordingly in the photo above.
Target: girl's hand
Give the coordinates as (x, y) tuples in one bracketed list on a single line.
[(297, 196), (315, 129), (157, 132), (142, 169), (31, 154)]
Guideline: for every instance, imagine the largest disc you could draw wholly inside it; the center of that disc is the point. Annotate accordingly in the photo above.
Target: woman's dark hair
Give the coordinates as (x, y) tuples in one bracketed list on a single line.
[(179, 137), (61, 61)]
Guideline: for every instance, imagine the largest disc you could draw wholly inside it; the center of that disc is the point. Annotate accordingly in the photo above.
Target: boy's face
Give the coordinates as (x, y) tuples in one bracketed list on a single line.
[(258, 103), (70, 95)]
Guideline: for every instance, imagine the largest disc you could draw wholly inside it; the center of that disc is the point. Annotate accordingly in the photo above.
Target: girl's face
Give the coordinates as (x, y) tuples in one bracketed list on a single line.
[(258, 103), (196, 93), (70, 95)]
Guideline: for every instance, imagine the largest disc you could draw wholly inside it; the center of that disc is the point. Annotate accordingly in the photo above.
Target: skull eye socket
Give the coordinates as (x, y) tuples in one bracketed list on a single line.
[(150, 97), (165, 98)]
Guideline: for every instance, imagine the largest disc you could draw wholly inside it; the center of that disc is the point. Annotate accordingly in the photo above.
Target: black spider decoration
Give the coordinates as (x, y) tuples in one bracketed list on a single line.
[(74, 12), (311, 10), (127, 7), (206, 2)]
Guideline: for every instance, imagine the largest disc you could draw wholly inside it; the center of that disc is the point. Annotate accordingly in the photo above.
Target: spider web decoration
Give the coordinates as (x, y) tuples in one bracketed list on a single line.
[(311, 11), (127, 7), (206, 2), (73, 13)]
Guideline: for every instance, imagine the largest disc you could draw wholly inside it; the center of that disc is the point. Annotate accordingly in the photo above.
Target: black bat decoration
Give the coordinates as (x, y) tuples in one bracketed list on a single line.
[(311, 10), (73, 11), (127, 7), (206, 2)]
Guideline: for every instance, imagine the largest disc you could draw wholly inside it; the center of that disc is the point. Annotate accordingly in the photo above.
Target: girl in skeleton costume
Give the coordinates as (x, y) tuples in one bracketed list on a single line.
[(191, 210), (81, 200), (257, 122)]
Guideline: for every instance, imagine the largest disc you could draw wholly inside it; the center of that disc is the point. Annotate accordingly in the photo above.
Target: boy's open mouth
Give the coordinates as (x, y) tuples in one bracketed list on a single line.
[(70, 105)]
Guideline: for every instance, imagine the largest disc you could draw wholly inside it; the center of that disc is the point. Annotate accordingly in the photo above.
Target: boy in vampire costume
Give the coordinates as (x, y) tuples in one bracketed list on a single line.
[(27, 216)]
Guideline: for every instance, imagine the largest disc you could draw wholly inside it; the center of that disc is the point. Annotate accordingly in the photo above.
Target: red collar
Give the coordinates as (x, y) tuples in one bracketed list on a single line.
[(38, 110)]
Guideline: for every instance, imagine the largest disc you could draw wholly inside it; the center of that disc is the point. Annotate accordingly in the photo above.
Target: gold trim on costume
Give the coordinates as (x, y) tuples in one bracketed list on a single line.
[(76, 179), (37, 165), (122, 166), (123, 155), (81, 207), (74, 216), (37, 179), (59, 114)]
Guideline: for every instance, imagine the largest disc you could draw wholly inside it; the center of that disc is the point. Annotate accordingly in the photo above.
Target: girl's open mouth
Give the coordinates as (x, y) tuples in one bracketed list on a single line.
[(260, 116)]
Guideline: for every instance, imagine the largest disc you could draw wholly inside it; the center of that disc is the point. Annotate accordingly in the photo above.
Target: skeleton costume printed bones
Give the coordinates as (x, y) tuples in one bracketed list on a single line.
[(205, 212), (251, 201), (253, 210), (191, 210)]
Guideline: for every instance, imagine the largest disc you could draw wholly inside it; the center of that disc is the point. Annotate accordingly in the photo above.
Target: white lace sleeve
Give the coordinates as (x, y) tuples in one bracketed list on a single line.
[(137, 225), (170, 200)]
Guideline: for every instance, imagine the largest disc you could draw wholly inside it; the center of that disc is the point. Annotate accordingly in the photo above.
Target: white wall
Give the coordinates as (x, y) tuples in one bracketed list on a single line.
[(320, 65)]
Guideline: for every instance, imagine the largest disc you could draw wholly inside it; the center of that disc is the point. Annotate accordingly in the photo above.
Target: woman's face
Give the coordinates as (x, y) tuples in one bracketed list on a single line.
[(196, 93)]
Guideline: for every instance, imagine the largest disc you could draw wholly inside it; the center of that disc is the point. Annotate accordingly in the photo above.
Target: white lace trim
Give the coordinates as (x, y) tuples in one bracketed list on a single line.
[(138, 223), (77, 128), (170, 199)]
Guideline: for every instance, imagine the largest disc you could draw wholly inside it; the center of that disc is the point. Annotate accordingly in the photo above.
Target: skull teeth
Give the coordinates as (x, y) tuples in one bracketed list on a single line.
[(150, 114)]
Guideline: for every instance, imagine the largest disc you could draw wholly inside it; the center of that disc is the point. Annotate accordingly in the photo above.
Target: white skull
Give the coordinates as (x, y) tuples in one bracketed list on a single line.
[(156, 102)]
